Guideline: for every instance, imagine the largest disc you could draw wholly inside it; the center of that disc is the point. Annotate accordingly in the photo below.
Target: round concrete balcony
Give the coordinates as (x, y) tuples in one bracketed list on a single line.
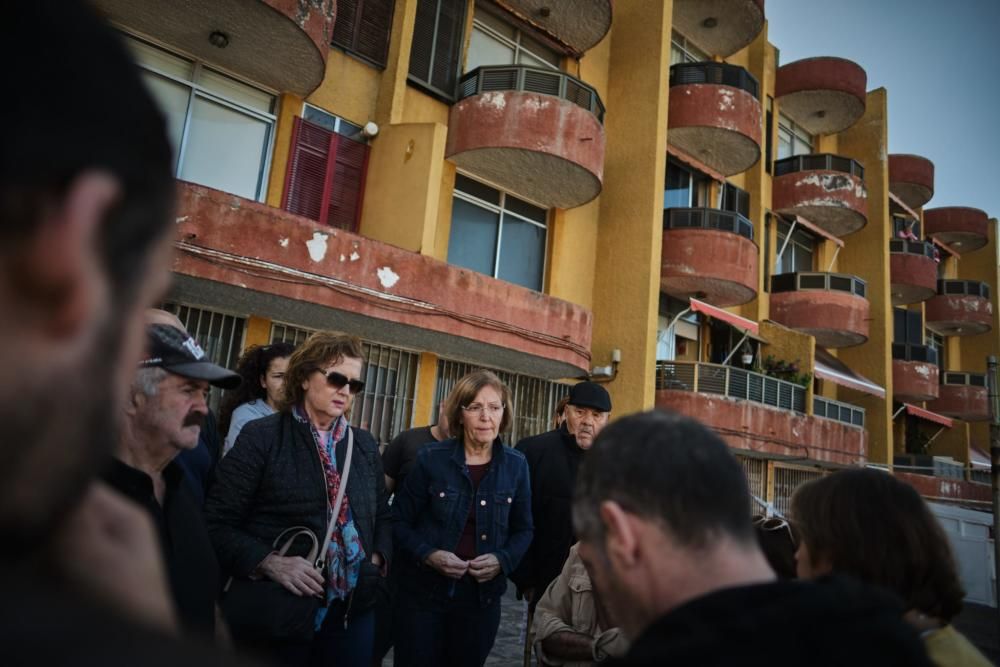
[(827, 190), (281, 44), (578, 24), (719, 27), (913, 271), (534, 132), (715, 116), (915, 374), (709, 255), (830, 307), (961, 228), (911, 178), (961, 308), (823, 95), (962, 396)]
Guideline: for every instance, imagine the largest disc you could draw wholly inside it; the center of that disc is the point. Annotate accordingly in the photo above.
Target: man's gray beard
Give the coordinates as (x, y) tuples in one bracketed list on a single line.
[(69, 420)]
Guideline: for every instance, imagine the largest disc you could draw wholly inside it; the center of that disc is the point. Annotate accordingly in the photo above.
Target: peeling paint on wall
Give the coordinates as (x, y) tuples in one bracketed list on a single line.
[(387, 277), (317, 246), (283, 242)]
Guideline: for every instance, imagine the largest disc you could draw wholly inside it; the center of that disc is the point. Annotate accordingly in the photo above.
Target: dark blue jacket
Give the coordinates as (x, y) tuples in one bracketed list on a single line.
[(431, 509)]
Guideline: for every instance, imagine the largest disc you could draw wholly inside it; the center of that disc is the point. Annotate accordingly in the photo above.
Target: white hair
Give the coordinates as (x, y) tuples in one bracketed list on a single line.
[(147, 380)]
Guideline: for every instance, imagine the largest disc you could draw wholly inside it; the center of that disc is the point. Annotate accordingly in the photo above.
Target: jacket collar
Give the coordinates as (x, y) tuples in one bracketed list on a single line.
[(458, 452)]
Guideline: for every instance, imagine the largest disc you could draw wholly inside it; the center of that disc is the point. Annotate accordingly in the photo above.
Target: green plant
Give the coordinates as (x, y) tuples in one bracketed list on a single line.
[(786, 370)]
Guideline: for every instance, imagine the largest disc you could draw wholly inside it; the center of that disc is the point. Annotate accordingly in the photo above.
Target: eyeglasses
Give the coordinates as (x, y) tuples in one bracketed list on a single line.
[(476, 409), (338, 380)]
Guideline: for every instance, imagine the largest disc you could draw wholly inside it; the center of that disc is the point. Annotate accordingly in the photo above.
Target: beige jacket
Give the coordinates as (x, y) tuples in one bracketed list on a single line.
[(568, 606)]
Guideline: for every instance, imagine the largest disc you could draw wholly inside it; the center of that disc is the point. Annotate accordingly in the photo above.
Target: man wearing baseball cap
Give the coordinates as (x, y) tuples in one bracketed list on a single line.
[(164, 412), (553, 459)]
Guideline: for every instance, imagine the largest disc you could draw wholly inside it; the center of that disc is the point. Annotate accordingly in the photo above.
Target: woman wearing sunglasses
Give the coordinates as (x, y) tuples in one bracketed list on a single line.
[(285, 472), (462, 524), (876, 528)]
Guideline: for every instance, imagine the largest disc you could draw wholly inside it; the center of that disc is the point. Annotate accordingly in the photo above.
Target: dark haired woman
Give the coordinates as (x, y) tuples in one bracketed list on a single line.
[(462, 524), (872, 526), (262, 368)]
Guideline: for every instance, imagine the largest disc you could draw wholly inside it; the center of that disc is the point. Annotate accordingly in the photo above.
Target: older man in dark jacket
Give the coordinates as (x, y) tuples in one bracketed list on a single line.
[(553, 459)]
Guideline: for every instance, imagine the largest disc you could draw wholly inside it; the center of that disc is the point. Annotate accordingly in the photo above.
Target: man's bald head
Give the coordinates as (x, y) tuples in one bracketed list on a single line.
[(160, 316)]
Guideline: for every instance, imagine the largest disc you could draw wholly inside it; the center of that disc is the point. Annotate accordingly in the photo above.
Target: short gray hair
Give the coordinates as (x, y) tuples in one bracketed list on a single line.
[(147, 380)]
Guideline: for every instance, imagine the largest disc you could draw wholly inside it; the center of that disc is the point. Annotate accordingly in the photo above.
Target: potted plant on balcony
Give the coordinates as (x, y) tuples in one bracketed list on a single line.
[(786, 370)]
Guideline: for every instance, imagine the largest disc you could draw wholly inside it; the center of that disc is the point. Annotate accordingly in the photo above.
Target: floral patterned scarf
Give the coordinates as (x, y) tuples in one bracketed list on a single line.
[(344, 558)]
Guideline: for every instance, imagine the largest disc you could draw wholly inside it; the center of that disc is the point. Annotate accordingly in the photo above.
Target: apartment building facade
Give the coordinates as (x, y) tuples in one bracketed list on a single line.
[(636, 191)]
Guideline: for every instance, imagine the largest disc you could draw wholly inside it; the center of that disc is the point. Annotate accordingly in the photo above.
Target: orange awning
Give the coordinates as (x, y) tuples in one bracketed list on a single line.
[(832, 369), (741, 323), (927, 415)]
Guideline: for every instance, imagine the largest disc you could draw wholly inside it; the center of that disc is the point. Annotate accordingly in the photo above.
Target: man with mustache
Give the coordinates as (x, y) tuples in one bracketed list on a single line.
[(553, 459), (163, 416)]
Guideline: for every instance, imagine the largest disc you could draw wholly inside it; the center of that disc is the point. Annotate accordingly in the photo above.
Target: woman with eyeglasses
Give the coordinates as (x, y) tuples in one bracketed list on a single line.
[(285, 472), (462, 524), (876, 528)]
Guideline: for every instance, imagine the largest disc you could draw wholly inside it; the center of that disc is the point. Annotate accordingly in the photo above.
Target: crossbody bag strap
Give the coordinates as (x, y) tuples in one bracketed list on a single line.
[(321, 561)]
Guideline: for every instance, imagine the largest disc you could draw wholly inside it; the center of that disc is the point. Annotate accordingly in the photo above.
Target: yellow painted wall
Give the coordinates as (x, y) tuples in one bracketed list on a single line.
[(866, 254), (258, 331), (349, 89), (792, 346), (423, 403), (402, 191), (626, 295), (289, 106)]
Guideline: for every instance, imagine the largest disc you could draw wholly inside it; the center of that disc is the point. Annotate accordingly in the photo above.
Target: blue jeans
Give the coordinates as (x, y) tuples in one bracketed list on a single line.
[(456, 633)]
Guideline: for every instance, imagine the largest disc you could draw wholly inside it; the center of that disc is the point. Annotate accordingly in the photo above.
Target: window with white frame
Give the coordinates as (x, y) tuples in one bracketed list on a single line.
[(683, 51), (331, 122), (498, 234), (799, 252), (221, 129), (496, 42), (792, 139)]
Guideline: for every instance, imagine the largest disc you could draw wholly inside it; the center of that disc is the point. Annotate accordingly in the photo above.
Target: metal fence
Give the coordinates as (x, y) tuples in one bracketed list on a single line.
[(732, 382), (811, 280), (818, 162), (707, 218), (533, 80), (838, 411), (902, 246), (724, 74), (756, 472), (787, 478), (219, 334), (534, 398), (964, 288), (385, 407)]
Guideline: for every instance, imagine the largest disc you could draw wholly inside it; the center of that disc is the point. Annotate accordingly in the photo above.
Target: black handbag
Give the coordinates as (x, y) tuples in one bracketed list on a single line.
[(262, 609)]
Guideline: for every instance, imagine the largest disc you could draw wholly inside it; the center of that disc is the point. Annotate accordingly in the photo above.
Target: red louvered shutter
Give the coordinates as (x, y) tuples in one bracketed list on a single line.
[(348, 188), (310, 170)]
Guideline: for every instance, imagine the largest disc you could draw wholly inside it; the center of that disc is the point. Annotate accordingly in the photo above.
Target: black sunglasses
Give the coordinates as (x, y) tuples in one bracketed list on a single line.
[(338, 380)]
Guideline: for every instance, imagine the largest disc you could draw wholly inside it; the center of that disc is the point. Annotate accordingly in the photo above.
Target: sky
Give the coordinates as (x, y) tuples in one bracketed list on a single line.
[(939, 62)]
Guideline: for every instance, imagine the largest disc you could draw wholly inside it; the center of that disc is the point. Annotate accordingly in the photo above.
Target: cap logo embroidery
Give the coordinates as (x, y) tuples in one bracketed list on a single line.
[(192, 346)]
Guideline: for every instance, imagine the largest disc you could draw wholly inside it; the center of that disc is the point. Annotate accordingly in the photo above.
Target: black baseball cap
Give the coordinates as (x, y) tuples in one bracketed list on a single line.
[(175, 351), (590, 395)]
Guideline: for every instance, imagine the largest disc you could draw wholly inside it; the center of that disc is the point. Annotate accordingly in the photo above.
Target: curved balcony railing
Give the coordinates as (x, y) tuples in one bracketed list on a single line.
[(721, 74), (964, 379), (531, 80), (707, 218), (836, 282), (902, 246), (963, 288), (731, 382), (817, 162), (908, 352), (838, 411)]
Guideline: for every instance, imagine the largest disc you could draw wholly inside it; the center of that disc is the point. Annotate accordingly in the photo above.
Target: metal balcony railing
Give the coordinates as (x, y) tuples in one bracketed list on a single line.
[(902, 246), (721, 74), (707, 218), (733, 382), (819, 161), (964, 379), (838, 411), (909, 352), (531, 80), (836, 282), (963, 288)]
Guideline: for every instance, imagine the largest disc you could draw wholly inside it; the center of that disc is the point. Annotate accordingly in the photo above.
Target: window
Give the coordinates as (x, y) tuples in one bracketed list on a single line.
[(798, 255), (220, 336), (736, 200), (683, 51), (768, 222), (362, 28), (385, 407), (326, 170), (769, 131), (498, 234), (437, 45), (221, 129), (792, 139), (534, 398), (936, 342), (903, 228), (684, 188), (495, 42)]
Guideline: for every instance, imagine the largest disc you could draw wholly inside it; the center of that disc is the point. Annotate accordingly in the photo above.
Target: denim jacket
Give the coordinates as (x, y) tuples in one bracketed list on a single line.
[(431, 509)]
